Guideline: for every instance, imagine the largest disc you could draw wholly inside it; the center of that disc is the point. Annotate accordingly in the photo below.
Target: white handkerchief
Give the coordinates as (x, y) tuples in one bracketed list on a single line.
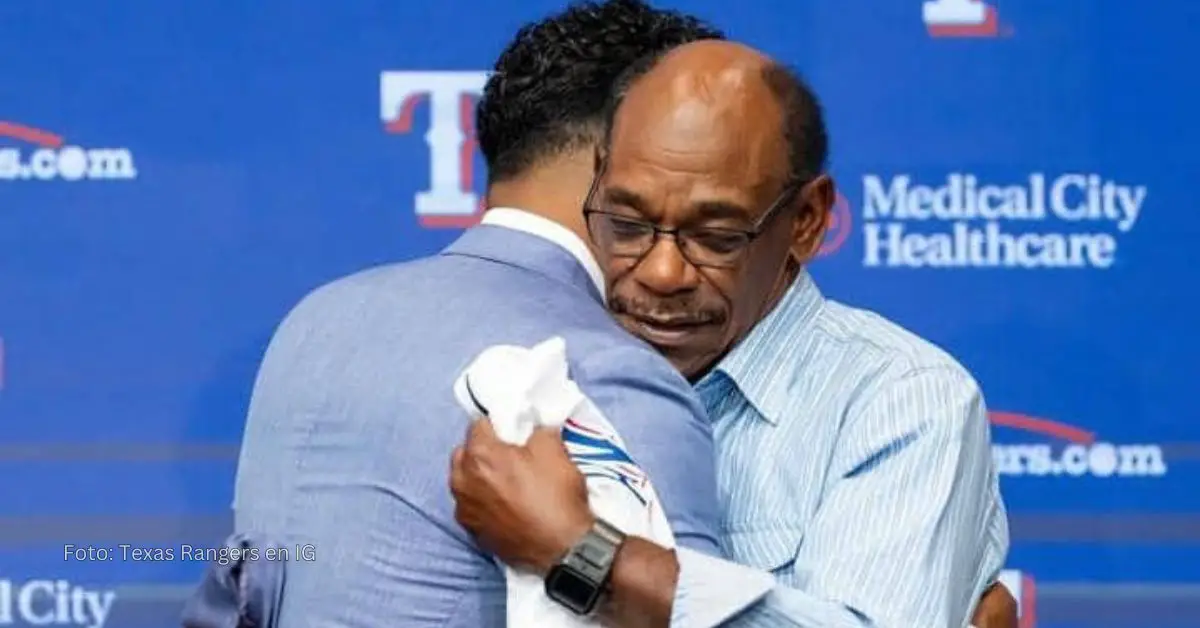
[(522, 388)]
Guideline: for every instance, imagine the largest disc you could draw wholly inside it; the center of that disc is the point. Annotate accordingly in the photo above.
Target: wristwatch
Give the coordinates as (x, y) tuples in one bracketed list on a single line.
[(580, 579)]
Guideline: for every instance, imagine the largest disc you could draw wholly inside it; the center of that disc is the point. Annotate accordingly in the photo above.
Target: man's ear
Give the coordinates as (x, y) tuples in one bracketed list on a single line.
[(814, 207)]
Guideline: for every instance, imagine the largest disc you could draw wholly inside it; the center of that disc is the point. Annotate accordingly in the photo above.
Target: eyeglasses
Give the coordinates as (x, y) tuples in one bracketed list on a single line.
[(712, 247)]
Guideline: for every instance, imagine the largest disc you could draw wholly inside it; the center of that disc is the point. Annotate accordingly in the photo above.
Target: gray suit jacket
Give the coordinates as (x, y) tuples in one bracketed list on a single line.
[(353, 419)]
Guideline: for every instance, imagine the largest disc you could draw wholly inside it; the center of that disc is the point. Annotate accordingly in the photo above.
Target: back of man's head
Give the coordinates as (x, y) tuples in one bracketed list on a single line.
[(549, 88)]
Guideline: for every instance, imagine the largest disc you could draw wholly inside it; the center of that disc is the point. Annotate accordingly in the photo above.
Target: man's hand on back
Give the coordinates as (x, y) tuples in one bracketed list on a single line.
[(527, 504), (997, 609)]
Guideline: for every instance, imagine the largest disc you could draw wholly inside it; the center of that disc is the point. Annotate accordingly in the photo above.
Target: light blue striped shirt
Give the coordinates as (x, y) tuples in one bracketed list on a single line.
[(854, 465)]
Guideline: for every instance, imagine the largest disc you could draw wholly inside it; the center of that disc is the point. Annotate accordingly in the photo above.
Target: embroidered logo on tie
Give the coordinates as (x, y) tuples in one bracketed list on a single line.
[(597, 454)]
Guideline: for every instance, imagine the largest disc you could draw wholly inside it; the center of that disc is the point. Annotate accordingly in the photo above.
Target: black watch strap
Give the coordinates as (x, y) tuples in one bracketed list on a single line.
[(594, 554), (579, 581)]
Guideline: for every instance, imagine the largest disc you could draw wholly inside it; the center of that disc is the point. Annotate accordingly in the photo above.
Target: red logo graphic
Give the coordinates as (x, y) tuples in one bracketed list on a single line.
[(961, 18), (1046, 427), (840, 224), (402, 123), (450, 200), (30, 134)]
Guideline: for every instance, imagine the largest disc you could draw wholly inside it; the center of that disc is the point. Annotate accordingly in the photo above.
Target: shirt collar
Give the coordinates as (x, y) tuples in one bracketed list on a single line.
[(762, 365), (533, 224)]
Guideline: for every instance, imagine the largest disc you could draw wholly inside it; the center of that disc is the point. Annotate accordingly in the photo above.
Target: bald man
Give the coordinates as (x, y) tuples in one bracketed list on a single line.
[(853, 457)]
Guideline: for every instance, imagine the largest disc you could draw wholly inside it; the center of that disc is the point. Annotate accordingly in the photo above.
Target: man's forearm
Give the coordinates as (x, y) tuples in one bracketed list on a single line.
[(642, 586)]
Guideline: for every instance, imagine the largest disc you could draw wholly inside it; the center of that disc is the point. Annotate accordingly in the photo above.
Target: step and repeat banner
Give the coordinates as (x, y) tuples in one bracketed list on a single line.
[(1018, 183)]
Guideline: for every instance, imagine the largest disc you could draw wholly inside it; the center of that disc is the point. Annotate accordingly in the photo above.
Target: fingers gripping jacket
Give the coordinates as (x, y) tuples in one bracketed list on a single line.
[(522, 388)]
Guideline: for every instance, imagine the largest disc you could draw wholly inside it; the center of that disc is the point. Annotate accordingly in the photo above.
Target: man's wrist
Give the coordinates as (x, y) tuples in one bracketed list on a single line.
[(641, 585), (558, 547)]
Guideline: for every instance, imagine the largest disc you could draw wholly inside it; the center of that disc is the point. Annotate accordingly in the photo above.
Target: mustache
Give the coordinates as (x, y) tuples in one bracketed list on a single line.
[(666, 312)]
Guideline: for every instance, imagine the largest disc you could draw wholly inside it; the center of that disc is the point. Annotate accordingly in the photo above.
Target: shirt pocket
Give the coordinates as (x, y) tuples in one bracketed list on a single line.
[(771, 549)]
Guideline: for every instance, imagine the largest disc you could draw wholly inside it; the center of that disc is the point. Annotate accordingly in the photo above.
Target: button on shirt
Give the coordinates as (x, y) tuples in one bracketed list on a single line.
[(854, 464)]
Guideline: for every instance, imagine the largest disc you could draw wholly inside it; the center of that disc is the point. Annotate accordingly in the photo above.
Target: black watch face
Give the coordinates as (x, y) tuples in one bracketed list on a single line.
[(569, 588)]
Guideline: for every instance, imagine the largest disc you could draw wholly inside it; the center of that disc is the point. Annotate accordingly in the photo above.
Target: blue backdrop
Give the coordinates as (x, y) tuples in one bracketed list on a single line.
[(1019, 186)]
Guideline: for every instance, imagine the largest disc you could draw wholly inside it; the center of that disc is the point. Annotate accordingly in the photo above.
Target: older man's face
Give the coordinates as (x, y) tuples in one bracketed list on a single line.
[(709, 170)]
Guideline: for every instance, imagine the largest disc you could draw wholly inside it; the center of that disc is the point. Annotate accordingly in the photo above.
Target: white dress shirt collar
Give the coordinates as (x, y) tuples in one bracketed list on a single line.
[(533, 224)]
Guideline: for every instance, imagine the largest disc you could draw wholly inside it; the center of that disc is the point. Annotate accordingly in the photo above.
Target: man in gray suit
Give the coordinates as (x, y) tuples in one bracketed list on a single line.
[(353, 416)]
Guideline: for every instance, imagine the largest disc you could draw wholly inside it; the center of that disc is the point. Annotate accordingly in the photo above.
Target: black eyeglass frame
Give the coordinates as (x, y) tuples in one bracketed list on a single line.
[(680, 234)]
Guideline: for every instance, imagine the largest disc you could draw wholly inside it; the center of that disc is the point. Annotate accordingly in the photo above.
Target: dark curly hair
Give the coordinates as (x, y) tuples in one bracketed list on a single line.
[(549, 88)]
